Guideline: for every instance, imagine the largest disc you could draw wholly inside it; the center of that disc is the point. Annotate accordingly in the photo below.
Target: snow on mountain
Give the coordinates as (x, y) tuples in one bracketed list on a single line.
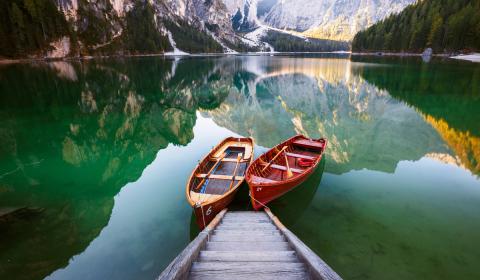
[(244, 14), (330, 19), (236, 25), (209, 17)]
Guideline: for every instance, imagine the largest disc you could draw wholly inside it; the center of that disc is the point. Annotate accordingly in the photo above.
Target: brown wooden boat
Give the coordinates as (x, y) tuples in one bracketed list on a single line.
[(282, 168), (215, 180)]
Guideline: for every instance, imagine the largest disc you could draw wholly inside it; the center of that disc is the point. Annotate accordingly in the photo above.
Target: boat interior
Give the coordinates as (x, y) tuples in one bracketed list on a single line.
[(287, 161), (221, 172)]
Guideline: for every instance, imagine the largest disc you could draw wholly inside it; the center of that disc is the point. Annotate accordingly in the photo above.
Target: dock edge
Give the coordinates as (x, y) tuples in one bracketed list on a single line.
[(317, 268), (179, 268)]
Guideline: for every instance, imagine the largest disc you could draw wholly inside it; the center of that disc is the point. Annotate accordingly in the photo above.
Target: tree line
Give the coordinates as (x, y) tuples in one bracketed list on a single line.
[(443, 25), (288, 43), (27, 26)]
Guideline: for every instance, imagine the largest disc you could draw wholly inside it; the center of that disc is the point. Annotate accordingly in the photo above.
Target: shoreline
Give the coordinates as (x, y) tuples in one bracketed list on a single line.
[(7, 61), (473, 57), (397, 54)]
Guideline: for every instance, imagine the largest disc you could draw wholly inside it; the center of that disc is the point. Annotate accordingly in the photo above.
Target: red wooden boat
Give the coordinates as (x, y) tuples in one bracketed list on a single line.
[(282, 168), (215, 181)]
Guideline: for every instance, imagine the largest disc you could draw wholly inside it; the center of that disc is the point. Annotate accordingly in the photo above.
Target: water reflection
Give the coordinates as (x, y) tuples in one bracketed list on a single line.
[(73, 134), (321, 97), (293, 205), (76, 135), (446, 95)]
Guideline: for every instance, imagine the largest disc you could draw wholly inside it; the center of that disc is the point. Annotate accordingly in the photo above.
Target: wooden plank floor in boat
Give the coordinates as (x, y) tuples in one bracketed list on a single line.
[(247, 245)]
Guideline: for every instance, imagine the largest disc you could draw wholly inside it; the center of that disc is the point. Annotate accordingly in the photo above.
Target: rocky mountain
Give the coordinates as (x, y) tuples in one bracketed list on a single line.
[(95, 27), (59, 28), (325, 19), (330, 19)]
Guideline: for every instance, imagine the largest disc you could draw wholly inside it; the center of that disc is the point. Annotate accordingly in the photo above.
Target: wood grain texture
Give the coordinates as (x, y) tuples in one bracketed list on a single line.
[(284, 168), (205, 166), (247, 220), (247, 246), (300, 156), (248, 234), (248, 270), (180, 266), (219, 177), (317, 268), (247, 256), (250, 226), (247, 238)]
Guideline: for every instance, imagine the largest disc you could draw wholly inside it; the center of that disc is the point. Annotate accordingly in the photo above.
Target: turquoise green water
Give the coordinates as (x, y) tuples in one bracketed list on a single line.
[(99, 152)]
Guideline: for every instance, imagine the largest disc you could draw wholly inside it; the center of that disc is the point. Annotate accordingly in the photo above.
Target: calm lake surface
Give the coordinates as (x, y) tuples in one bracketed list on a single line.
[(99, 152)]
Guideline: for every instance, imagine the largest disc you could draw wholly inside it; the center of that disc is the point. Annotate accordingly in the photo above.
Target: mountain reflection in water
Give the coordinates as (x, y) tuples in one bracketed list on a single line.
[(73, 134)]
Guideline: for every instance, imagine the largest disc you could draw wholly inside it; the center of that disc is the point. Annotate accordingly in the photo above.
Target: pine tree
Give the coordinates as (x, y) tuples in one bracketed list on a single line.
[(440, 24), (18, 26)]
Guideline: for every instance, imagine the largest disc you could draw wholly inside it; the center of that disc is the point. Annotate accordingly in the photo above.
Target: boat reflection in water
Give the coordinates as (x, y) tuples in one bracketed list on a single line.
[(83, 140), (291, 206)]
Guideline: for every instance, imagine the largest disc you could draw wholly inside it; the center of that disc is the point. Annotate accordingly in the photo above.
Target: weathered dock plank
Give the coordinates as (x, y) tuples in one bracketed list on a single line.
[(250, 226), (317, 268), (246, 238), (247, 245), (246, 231), (248, 270), (179, 268), (247, 256)]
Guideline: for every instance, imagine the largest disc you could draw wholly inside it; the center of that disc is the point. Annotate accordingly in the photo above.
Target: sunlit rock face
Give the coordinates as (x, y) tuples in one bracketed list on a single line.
[(321, 98), (244, 14), (208, 17), (465, 145), (331, 19), (447, 107)]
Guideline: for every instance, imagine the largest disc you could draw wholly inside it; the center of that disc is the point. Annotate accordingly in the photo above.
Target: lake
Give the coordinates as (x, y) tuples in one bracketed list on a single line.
[(96, 154)]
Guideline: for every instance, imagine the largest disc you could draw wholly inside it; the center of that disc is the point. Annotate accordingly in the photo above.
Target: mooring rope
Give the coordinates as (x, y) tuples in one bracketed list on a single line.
[(250, 194), (203, 216)]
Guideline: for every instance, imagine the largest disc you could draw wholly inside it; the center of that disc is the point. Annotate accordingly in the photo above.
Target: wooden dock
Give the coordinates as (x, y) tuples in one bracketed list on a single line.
[(247, 245)]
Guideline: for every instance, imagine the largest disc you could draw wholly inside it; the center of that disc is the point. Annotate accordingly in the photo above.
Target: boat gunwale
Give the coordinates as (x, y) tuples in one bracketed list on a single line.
[(206, 158), (306, 171)]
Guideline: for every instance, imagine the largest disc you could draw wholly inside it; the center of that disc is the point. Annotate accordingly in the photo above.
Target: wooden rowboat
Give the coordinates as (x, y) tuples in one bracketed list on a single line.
[(215, 180), (282, 168)]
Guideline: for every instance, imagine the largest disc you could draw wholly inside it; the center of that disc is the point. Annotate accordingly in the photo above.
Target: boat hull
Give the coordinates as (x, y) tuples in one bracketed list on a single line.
[(261, 195), (204, 214), (215, 181), (264, 191)]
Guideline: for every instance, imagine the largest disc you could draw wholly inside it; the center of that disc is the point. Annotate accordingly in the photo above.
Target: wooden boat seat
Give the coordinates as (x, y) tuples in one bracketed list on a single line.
[(300, 156), (203, 197), (235, 144), (261, 180), (231, 160), (284, 168), (220, 177), (309, 144)]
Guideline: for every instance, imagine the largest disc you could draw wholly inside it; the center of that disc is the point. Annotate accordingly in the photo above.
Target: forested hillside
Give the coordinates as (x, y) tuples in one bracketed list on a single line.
[(61, 28), (29, 25), (286, 43), (443, 25)]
